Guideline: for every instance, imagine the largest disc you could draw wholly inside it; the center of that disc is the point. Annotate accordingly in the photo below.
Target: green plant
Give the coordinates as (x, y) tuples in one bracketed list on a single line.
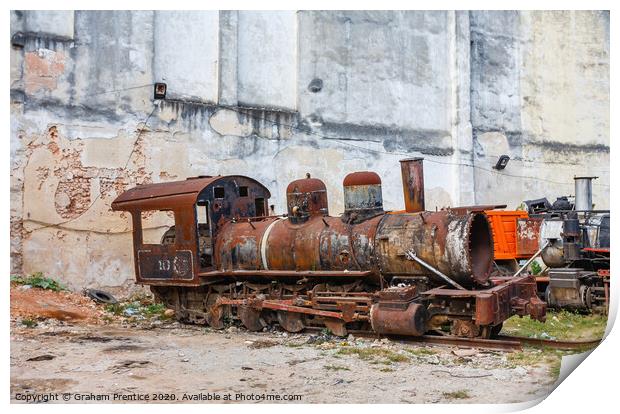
[(421, 351), (154, 309), (136, 308), (457, 395), (374, 355), (559, 325), (38, 280), (535, 268), (336, 368), (115, 308), (29, 323)]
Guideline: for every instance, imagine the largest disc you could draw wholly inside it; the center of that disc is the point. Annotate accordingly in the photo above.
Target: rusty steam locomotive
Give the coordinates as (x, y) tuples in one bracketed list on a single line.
[(392, 272)]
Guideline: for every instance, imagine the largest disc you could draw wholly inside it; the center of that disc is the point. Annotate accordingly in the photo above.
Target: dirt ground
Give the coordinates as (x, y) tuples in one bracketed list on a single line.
[(80, 360)]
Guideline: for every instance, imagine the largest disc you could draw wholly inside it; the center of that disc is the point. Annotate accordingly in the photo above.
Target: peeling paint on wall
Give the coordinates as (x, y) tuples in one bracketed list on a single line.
[(42, 69)]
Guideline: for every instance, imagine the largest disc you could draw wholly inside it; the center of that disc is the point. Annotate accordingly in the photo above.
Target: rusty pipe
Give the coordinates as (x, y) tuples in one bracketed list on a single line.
[(412, 256), (531, 259), (412, 171)]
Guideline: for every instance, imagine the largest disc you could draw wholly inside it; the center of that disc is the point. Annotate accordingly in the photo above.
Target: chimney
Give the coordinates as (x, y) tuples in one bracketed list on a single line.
[(413, 184)]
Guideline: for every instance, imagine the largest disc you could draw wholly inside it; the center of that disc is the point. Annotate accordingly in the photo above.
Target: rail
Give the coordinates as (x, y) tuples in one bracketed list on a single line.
[(500, 343)]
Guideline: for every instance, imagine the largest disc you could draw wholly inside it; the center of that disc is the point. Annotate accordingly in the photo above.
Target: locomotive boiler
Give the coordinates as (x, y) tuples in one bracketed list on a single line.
[(392, 272)]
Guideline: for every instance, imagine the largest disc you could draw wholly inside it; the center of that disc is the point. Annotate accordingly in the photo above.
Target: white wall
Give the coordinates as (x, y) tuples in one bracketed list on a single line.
[(186, 53), (267, 58)]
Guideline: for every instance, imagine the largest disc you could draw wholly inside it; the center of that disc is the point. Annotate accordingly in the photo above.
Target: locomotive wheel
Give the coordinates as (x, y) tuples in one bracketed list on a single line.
[(485, 332), (290, 322), (336, 326), (468, 329), (549, 298), (585, 293), (215, 317), (496, 330), (250, 318), (215, 313)]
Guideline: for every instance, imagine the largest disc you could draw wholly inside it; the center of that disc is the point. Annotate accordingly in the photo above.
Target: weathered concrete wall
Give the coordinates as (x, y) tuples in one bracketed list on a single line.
[(274, 95), (540, 94), (190, 37)]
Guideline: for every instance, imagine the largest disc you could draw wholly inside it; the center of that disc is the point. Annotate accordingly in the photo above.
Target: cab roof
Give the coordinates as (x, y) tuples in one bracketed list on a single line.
[(166, 196)]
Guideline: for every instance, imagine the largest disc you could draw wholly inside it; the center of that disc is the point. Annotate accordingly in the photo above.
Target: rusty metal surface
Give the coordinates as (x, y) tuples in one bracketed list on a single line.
[(503, 345), (291, 274), (179, 261), (474, 209), (501, 342), (305, 198), (458, 245), (324, 243), (552, 343), (166, 195), (362, 196), (361, 178), (310, 268), (528, 235), (237, 246), (413, 184), (250, 318), (398, 318), (511, 296), (172, 194)]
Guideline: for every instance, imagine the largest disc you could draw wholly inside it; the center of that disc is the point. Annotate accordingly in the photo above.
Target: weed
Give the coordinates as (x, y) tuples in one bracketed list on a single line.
[(559, 325), (374, 355), (154, 309), (115, 308), (554, 368), (29, 323), (38, 280), (136, 308), (386, 369), (457, 395), (537, 357), (336, 368), (421, 351)]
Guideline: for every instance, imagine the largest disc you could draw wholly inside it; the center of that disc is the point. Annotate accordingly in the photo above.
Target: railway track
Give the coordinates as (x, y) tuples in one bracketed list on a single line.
[(505, 343), (500, 343)]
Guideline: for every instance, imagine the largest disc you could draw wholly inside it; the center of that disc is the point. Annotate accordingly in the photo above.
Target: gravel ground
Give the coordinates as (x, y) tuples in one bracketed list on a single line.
[(197, 365)]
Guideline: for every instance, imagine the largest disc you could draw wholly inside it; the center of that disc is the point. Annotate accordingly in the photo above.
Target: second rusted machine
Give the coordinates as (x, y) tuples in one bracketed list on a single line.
[(399, 272)]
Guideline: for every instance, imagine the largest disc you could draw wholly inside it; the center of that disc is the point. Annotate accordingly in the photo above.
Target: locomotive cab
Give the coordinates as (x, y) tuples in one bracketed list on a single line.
[(193, 210)]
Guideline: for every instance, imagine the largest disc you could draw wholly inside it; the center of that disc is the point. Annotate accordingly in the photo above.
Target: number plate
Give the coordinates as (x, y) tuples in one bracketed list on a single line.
[(163, 265)]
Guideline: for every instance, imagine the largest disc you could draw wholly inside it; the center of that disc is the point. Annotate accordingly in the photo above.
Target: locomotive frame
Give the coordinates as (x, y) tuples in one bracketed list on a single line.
[(307, 268)]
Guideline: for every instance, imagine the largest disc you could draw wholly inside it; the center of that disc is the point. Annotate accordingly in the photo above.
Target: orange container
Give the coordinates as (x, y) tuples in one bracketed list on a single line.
[(504, 227)]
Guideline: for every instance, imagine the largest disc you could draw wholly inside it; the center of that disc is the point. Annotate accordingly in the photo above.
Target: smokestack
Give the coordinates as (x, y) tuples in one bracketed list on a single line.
[(583, 193), (413, 184)]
